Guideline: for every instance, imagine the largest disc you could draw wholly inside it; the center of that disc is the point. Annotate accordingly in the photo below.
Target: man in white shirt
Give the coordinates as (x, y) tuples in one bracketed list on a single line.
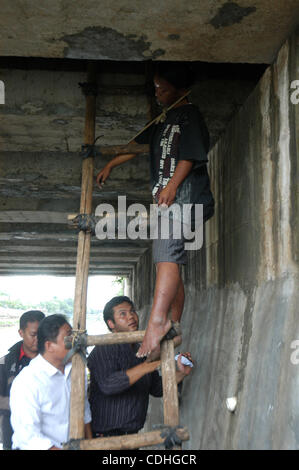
[(40, 394)]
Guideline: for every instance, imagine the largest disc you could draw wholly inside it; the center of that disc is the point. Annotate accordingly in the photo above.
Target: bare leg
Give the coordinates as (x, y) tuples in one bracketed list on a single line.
[(168, 283), (177, 305)]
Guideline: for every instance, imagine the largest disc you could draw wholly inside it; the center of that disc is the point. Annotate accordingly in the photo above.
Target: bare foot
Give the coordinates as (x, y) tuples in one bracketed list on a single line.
[(175, 333), (152, 338), (154, 355)]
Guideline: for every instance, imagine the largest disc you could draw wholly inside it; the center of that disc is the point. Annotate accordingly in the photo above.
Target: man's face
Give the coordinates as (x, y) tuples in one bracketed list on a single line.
[(29, 335), (125, 319), (57, 348), (166, 94)]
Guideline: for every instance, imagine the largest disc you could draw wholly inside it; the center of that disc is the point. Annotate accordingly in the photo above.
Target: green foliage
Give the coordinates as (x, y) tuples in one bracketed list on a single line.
[(119, 281), (5, 301), (55, 305)]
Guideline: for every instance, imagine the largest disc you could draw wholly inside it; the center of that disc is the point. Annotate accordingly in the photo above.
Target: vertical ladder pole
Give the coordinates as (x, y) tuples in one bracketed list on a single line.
[(170, 389), (82, 267)]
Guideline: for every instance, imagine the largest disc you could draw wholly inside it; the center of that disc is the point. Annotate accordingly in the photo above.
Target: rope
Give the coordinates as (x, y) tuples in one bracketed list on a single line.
[(86, 223), (89, 150), (72, 444), (79, 344), (174, 331), (171, 438)]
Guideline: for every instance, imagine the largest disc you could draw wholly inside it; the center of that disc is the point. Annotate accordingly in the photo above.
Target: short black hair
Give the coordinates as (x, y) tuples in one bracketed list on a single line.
[(108, 312), (30, 316), (48, 330), (180, 75)]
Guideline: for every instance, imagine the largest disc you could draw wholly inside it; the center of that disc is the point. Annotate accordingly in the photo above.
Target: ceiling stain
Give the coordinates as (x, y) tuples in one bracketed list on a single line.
[(94, 43), (229, 14)]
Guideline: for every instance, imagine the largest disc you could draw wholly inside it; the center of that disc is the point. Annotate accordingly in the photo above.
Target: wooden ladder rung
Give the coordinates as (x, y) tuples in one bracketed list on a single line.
[(128, 441), (115, 338)]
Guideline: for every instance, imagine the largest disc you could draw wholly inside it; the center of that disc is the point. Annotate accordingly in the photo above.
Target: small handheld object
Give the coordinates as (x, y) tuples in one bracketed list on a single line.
[(184, 360)]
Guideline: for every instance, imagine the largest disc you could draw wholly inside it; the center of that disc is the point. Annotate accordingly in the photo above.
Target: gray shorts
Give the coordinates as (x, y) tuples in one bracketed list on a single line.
[(171, 250)]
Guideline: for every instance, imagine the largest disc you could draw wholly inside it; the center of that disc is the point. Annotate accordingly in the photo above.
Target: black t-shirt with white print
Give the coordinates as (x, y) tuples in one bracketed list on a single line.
[(182, 136)]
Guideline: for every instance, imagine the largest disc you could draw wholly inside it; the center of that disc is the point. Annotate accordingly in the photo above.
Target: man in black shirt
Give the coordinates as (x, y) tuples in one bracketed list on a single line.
[(178, 158), (120, 383), (19, 356)]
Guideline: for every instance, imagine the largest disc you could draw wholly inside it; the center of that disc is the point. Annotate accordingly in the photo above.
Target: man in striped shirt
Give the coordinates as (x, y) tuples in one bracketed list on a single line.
[(120, 383)]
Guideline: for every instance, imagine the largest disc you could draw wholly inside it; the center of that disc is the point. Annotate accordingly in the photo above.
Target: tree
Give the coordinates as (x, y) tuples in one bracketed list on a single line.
[(119, 281)]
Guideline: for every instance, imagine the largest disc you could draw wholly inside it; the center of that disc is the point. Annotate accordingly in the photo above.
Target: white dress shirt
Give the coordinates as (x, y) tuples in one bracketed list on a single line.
[(40, 406)]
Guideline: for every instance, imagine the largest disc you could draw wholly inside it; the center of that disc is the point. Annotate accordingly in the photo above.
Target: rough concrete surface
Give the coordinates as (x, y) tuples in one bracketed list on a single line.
[(209, 30)]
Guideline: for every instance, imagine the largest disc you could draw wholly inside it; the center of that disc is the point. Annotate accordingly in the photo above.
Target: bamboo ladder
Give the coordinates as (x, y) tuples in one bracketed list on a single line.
[(170, 395)]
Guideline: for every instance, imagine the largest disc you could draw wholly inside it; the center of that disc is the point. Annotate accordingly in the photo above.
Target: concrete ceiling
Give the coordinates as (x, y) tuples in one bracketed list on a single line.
[(42, 130), (42, 121), (208, 30)]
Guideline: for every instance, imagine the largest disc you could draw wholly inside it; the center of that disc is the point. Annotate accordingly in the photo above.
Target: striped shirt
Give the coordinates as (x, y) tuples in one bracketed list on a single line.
[(114, 403)]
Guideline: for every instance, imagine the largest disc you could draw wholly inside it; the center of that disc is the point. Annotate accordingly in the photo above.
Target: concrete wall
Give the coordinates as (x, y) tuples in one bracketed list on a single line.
[(241, 313)]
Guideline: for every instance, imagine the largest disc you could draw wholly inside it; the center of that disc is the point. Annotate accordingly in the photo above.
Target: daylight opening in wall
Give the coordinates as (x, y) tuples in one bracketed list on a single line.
[(52, 294)]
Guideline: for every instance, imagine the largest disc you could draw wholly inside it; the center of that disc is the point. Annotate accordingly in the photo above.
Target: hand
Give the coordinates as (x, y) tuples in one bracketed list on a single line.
[(103, 175), (167, 195), (154, 365), (182, 368)]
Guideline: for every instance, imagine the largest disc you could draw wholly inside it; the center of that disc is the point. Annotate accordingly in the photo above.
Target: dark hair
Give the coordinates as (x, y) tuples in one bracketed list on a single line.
[(108, 312), (180, 75), (30, 316), (48, 330)]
